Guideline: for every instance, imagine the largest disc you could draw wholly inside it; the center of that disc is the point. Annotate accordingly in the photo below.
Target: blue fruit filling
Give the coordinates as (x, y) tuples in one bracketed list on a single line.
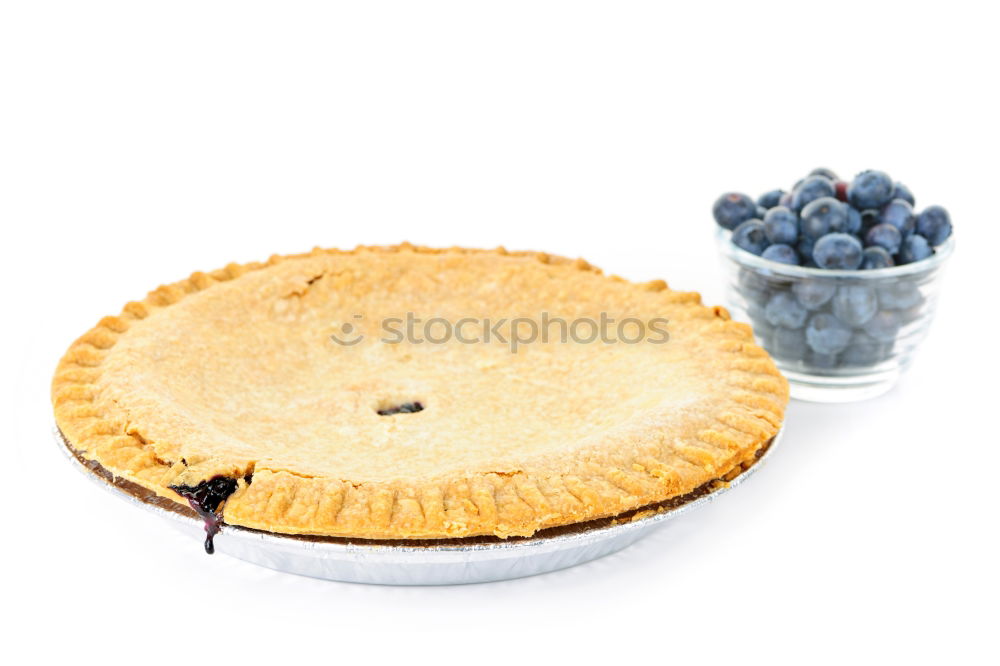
[(206, 498), (403, 408)]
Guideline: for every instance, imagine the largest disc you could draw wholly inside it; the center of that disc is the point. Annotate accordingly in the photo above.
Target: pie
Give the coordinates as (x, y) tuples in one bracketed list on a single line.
[(276, 396)]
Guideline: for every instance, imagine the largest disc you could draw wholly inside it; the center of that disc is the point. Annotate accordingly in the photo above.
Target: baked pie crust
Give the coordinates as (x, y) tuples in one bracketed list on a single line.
[(233, 375)]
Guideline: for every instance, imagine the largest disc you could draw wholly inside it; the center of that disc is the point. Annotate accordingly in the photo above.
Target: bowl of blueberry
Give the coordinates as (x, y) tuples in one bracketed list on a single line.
[(838, 279)]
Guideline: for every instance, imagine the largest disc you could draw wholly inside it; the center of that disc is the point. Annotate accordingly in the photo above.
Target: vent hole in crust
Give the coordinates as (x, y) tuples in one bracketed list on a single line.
[(401, 408)]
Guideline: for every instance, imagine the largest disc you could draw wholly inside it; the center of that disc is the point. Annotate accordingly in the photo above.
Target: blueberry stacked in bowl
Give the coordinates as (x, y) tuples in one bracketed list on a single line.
[(835, 276), (828, 223)]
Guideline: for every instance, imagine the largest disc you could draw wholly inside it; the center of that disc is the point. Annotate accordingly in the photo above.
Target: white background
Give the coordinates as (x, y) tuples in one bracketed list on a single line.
[(142, 141)]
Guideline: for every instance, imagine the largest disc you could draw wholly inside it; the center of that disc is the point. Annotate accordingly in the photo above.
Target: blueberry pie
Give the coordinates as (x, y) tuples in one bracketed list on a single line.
[(403, 393)]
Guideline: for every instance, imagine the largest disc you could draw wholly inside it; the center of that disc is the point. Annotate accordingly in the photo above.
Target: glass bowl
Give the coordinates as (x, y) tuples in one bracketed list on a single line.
[(839, 336)]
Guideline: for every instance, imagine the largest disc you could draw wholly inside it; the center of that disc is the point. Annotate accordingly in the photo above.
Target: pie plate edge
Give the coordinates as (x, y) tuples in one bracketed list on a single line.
[(358, 561)]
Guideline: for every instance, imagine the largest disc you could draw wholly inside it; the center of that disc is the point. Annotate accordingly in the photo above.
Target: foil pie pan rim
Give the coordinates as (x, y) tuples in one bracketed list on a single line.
[(569, 536)]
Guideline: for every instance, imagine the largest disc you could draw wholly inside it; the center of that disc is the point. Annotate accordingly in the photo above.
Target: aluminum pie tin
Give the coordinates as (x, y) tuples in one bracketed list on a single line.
[(426, 562)]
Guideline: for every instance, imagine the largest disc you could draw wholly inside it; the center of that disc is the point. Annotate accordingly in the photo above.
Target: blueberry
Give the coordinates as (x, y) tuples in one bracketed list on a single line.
[(826, 334), (783, 254), (899, 214), (733, 208), (770, 199), (755, 299), (805, 250), (784, 310), (855, 305), (883, 326), (909, 316), (853, 220), (814, 294), (826, 173), (876, 257), (781, 225), (761, 329), (902, 295), (810, 189), (785, 200), (870, 189), (864, 350), (914, 248), (822, 361), (838, 251), (823, 216), (761, 212), (900, 191), (766, 280), (755, 312), (748, 278), (869, 218), (885, 236), (788, 344), (753, 288), (750, 236), (934, 224)]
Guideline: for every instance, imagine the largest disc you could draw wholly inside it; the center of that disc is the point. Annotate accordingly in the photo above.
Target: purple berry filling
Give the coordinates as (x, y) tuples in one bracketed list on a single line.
[(206, 498), (404, 408)]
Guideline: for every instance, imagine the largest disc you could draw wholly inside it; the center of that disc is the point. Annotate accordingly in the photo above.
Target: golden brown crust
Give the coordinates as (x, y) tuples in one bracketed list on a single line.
[(644, 464)]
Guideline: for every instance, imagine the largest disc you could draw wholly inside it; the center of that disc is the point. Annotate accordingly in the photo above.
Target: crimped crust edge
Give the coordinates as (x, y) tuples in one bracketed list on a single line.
[(491, 503)]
